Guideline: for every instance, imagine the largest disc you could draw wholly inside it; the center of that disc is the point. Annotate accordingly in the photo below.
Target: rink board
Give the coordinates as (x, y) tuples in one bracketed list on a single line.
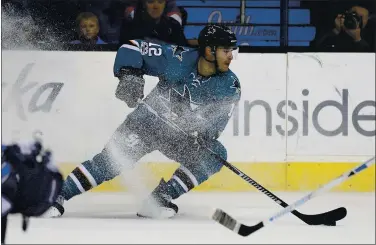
[(303, 119), (274, 176)]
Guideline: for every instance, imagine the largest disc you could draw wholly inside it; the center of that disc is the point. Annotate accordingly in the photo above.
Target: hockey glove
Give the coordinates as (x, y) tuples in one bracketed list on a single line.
[(131, 87)]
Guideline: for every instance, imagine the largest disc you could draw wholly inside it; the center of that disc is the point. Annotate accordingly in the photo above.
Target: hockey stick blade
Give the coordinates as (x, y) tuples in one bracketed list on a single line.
[(328, 218), (226, 220), (229, 222)]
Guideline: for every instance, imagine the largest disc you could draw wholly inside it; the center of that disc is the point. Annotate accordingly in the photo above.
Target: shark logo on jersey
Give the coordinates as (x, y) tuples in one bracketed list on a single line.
[(177, 51), (178, 103), (197, 81), (235, 85)]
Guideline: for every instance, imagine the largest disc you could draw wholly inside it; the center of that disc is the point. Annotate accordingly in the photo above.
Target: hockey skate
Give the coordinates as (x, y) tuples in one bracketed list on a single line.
[(56, 210), (158, 205)]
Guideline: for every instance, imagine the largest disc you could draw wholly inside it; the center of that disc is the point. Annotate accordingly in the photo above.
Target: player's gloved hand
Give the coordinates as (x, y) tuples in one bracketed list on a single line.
[(39, 181), (23, 153), (131, 86)]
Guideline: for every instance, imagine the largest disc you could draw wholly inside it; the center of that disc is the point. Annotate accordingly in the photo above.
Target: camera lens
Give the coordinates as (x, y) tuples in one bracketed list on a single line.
[(351, 20)]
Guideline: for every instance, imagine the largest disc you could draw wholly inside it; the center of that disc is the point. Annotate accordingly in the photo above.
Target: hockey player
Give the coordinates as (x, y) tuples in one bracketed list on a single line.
[(30, 183), (196, 92)]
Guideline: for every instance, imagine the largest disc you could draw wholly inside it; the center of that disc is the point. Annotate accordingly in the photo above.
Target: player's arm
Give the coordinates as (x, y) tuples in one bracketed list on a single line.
[(133, 60)]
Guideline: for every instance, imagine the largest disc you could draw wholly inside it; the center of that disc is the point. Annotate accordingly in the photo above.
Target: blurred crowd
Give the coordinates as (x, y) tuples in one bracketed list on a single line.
[(338, 26)]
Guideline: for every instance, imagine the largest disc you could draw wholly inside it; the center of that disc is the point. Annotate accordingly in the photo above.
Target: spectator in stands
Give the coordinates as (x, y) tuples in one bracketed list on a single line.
[(172, 10), (184, 18), (110, 14), (150, 23), (88, 29), (348, 32)]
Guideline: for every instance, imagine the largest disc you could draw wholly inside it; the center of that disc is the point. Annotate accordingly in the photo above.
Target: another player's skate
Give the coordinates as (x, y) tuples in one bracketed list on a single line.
[(158, 205), (56, 210)]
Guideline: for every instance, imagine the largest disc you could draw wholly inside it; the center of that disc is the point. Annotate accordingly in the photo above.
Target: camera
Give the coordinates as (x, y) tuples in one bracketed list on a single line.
[(352, 20)]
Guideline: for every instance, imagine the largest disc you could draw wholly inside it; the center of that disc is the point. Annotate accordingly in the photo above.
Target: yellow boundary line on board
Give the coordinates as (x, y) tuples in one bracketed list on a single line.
[(282, 176)]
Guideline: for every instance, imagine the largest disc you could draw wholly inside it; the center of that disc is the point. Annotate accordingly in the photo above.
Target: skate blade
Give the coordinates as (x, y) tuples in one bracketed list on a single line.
[(165, 213)]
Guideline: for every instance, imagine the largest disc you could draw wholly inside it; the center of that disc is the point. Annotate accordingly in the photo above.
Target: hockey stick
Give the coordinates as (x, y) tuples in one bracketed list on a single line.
[(226, 220), (327, 218)]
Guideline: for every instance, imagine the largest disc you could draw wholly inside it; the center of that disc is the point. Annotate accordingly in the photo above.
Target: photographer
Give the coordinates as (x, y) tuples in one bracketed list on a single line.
[(347, 34)]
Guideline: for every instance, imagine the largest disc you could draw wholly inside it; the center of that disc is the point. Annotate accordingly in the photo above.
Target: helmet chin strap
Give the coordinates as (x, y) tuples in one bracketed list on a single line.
[(215, 62)]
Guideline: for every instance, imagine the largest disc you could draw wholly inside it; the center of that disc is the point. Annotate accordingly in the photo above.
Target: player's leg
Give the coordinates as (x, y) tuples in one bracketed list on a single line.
[(197, 165), (124, 144)]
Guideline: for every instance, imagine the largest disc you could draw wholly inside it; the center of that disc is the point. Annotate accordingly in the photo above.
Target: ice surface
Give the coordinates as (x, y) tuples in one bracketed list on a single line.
[(110, 218)]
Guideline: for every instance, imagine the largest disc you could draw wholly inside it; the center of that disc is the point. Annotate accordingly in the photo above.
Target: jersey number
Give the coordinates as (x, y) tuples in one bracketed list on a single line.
[(151, 49)]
